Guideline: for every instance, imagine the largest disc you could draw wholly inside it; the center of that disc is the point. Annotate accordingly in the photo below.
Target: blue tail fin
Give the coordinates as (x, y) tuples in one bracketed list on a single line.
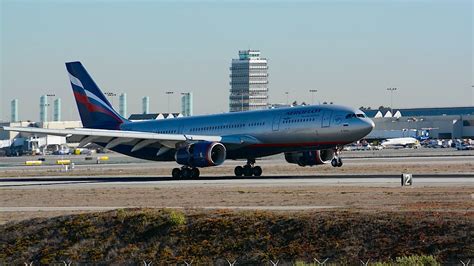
[(94, 108)]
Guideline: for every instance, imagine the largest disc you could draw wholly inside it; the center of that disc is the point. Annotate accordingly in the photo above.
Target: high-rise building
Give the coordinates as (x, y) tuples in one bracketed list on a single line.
[(14, 111), (123, 105), (248, 82), (44, 108), (187, 103), (146, 105), (57, 110)]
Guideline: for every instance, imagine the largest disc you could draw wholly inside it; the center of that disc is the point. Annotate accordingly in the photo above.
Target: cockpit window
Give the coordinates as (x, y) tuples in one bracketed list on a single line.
[(355, 115)]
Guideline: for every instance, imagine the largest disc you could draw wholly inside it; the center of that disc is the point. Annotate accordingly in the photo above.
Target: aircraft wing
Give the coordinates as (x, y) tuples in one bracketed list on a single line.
[(138, 139)]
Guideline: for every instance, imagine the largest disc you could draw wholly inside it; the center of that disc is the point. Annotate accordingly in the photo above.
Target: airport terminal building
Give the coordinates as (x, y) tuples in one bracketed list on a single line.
[(440, 123)]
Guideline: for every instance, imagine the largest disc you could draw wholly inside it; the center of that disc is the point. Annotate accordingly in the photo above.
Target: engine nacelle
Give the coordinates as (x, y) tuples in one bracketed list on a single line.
[(201, 154), (310, 158)]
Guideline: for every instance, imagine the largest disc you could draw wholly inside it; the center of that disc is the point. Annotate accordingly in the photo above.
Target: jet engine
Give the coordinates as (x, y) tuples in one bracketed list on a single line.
[(310, 158), (201, 154)]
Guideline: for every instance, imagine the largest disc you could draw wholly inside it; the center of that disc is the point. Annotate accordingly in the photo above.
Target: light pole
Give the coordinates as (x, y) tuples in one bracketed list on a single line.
[(111, 95), (169, 94), (287, 93), (391, 90), (312, 95)]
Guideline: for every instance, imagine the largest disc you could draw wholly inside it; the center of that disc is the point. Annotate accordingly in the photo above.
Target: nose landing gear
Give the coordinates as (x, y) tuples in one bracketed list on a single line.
[(249, 169), (337, 161)]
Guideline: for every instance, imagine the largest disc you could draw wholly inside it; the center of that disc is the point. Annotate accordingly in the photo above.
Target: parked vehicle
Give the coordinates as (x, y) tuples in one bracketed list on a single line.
[(22, 146), (464, 146)]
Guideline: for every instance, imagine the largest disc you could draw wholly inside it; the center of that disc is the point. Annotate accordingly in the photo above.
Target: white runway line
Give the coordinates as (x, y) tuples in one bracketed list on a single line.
[(272, 208), (108, 208), (73, 208), (270, 182)]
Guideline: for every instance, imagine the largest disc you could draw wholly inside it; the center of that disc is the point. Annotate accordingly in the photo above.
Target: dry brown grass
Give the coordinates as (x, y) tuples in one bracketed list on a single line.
[(170, 236)]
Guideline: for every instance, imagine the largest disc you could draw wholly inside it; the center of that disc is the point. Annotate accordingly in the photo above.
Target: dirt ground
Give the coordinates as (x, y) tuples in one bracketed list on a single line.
[(359, 198), (353, 198)]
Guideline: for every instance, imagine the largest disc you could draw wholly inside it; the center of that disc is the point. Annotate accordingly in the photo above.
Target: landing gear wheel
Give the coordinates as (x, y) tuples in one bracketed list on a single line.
[(239, 171), (195, 173), (176, 173), (337, 161), (186, 173), (257, 171), (248, 171)]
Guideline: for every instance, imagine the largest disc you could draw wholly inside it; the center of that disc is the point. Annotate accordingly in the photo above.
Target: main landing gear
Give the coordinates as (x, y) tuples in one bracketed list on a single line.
[(249, 169), (185, 172), (336, 161)]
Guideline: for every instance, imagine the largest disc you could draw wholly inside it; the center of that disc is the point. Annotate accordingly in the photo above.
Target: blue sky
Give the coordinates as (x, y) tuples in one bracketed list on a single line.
[(350, 51)]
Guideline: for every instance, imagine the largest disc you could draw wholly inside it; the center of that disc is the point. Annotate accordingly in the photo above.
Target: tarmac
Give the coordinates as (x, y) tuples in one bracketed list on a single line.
[(368, 180), (443, 181)]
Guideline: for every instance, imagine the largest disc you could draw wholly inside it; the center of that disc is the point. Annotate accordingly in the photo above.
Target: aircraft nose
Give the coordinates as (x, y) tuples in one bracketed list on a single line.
[(369, 125), (363, 128), (372, 124), (366, 126)]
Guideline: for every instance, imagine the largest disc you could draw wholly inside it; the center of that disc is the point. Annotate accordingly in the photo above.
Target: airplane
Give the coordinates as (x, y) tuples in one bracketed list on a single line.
[(401, 143), (307, 135)]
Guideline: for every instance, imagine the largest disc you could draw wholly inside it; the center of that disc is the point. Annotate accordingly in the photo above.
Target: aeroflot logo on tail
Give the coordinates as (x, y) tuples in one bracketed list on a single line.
[(75, 81), (102, 106)]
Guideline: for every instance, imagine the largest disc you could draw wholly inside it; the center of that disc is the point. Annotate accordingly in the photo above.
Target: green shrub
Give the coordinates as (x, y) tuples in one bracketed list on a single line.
[(415, 260), (121, 215), (176, 217), (382, 264)]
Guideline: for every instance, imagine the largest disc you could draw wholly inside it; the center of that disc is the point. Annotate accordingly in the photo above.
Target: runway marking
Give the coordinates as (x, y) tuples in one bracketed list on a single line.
[(352, 179), (273, 208), (73, 208), (109, 208)]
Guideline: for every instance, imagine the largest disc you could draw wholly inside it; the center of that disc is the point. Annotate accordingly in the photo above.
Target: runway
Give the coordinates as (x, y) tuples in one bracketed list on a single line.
[(378, 163), (326, 180), (440, 184)]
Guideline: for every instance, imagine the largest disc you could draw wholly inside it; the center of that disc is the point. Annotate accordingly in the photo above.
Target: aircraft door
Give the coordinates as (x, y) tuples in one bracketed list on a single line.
[(276, 123), (326, 121)]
